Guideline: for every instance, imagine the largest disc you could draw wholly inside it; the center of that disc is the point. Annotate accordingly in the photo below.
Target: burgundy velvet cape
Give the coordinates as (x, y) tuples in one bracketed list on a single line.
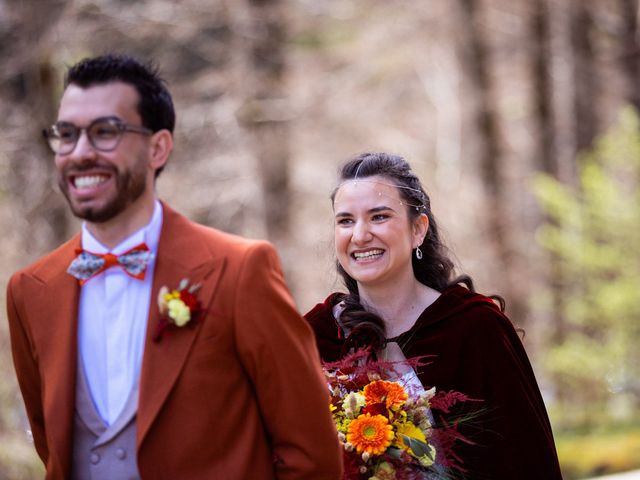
[(473, 349)]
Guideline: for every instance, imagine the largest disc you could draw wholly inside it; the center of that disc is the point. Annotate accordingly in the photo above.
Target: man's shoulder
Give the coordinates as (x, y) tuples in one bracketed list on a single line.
[(53, 262)]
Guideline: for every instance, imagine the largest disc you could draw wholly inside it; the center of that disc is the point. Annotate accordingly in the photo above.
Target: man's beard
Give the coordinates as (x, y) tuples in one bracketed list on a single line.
[(130, 185)]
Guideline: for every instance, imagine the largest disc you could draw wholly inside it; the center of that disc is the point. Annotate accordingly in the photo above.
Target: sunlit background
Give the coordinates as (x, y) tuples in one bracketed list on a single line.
[(519, 116)]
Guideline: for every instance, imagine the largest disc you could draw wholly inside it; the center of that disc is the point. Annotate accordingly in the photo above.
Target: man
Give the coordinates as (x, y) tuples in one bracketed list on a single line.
[(148, 346)]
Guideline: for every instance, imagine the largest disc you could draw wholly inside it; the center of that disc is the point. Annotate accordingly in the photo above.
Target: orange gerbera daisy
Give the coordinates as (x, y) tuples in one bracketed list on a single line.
[(390, 393), (371, 434)]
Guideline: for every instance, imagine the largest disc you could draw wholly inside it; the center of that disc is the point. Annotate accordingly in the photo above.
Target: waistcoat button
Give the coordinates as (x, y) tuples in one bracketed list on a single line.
[(121, 453), (94, 458)]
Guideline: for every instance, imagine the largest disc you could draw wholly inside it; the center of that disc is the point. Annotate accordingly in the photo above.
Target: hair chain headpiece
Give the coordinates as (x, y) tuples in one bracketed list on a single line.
[(355, 181), (357, 171)]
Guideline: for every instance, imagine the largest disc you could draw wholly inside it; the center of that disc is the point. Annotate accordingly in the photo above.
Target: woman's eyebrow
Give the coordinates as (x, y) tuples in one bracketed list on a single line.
[(381, 208)]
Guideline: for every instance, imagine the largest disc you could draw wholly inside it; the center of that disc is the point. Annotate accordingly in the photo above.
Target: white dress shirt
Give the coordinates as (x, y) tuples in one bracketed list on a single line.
[(113, 313)]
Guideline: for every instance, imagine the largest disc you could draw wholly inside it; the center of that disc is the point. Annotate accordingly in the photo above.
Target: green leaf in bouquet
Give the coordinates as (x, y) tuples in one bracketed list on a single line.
[(394, 452), (418, 447)]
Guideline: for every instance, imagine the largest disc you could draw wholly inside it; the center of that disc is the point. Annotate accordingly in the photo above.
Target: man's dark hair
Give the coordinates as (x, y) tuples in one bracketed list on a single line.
[(155, 106)]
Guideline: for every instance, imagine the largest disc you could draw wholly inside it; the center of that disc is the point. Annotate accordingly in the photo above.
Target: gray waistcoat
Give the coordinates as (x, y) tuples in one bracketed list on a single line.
[(102, 452)]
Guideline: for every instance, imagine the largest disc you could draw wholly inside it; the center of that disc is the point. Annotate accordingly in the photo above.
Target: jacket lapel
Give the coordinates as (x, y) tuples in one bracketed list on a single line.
[(181, 254), (53, 301)]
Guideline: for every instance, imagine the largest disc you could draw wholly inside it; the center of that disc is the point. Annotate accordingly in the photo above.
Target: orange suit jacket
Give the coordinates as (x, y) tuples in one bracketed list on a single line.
[(239, 394)]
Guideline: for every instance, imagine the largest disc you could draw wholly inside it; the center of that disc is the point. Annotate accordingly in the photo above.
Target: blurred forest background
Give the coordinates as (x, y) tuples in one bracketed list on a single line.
[(519, 116)]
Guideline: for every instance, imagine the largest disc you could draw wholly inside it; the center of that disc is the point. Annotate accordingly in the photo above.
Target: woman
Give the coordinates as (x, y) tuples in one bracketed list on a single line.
[(404, 303)]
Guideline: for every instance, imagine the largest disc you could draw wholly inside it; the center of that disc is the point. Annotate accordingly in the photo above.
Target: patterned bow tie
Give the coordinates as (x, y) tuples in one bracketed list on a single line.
[(87, 264)]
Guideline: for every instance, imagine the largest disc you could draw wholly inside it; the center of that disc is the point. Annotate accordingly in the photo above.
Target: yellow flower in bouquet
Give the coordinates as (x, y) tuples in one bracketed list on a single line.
[(352, 404), (407, 429), (407, 435)]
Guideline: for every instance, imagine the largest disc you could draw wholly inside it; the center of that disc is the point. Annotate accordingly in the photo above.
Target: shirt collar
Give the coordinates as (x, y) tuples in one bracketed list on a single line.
[(149, 234)]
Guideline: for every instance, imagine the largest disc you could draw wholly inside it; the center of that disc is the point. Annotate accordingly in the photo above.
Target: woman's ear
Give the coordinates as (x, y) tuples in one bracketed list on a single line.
[(420, 229), (161, 146)]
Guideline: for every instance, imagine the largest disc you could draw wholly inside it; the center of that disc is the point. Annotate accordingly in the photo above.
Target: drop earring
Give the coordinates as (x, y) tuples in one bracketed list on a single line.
[(418, 253)]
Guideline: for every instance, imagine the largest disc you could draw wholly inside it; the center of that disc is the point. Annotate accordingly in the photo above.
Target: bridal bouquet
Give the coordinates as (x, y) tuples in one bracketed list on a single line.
[(386, 426)]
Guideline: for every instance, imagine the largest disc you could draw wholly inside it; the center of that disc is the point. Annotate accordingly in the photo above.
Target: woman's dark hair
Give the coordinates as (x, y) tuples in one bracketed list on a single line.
[(435, 270), (155, 105)]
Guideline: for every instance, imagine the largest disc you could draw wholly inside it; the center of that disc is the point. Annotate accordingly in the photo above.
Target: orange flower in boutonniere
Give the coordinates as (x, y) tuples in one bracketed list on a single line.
[(178, 307)]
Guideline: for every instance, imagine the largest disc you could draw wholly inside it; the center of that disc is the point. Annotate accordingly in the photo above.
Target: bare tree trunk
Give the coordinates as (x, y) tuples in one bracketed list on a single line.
[(490, 155), (562, 88), (585, 75), (630, 58), (29, 89), (584, 125), (546, 157), (542, 88), (265, 113)]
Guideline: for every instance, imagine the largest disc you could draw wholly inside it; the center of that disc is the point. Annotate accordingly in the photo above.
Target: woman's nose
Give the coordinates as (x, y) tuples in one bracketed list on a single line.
[(361, 233)]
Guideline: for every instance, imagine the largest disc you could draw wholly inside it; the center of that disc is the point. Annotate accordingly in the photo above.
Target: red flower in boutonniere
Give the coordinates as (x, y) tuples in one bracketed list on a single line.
[(177, 307)]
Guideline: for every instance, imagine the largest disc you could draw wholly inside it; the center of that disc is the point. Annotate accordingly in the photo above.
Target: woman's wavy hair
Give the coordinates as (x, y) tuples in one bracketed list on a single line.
[(435, 270)]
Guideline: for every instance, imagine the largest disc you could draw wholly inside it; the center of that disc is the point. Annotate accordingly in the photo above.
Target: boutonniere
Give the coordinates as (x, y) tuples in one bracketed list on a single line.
[(178, 307)]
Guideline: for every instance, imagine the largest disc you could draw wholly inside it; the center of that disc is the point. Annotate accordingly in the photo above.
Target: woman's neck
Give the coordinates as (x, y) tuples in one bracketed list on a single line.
[(399, 305)]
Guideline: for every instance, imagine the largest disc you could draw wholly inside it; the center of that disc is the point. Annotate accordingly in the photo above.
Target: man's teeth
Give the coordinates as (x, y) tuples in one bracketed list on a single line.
[(368, 254), (89, 181)]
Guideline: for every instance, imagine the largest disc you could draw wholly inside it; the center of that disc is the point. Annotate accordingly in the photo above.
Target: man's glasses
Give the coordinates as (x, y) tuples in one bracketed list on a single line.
[(104, 134)]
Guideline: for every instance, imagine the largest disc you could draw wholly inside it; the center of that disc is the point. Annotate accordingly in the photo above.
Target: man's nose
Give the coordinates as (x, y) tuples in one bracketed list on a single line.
[(83, 147)]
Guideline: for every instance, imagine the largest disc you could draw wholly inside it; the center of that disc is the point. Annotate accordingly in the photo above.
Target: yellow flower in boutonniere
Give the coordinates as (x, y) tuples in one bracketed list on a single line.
[(179, 312), (177, 307)]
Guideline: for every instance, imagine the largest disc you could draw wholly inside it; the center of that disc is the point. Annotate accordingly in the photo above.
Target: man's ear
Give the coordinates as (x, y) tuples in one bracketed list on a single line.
[(420, 229), (161, 146)]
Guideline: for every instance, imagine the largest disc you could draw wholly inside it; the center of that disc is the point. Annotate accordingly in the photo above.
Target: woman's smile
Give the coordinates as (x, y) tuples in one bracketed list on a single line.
[(367, 255)]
